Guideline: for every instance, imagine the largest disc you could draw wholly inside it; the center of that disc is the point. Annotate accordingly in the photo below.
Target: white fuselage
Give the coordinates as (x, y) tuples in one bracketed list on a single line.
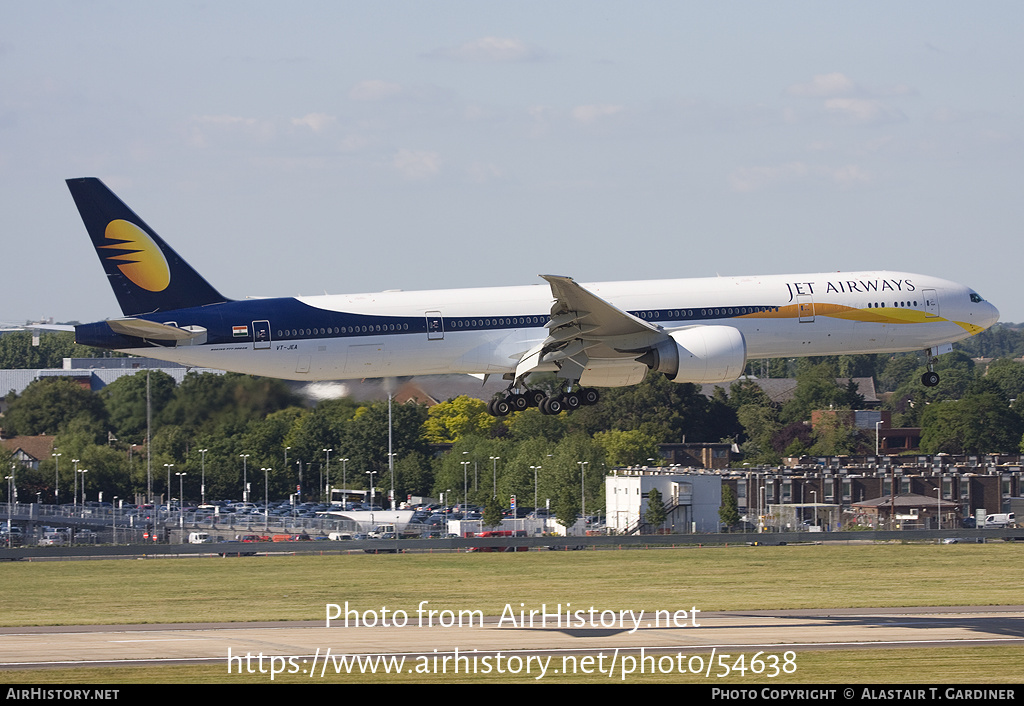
[(488, 330)]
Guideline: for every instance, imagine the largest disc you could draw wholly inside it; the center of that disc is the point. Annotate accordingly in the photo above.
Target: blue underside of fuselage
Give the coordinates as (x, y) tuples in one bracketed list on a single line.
[(289, 319)]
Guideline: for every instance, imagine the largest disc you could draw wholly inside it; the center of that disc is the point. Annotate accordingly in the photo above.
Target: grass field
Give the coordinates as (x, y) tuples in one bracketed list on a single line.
[(720, 578)]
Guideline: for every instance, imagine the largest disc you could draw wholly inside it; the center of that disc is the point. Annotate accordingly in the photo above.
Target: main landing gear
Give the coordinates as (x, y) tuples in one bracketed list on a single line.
[(930, 378), (565, 401)]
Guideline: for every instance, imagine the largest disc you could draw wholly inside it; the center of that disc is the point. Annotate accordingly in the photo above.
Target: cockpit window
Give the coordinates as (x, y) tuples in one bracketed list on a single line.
[(976, 298)]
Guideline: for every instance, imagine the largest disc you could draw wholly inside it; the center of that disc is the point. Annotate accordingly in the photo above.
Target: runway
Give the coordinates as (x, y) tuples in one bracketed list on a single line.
[(310, 643)]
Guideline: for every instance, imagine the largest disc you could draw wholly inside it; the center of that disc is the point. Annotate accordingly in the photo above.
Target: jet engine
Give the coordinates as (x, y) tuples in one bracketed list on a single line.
[(699, 354)]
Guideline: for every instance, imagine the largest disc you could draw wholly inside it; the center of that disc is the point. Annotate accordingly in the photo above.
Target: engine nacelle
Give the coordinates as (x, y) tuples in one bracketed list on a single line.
[(699, 354)]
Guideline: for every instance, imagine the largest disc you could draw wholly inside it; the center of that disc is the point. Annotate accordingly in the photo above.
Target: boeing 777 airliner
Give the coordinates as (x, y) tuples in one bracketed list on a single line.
[(592, 335)]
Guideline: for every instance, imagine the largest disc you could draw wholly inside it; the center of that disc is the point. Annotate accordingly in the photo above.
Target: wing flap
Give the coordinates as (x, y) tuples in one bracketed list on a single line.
[(583, 324)]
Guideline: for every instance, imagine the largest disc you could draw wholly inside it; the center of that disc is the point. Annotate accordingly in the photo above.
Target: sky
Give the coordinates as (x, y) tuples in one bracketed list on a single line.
[(343, 147)]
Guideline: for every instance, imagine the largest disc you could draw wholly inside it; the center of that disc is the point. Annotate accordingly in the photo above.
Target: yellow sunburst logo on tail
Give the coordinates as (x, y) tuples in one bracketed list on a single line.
[(143, 263)]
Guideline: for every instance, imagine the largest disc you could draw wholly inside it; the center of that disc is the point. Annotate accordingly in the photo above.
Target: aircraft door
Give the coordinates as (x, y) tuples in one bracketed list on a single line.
[(805, 307), (260, 334), (435, 326), (931, 303)]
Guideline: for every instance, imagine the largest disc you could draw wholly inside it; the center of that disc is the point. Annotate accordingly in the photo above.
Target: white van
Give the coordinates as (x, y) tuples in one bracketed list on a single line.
[(199, 538), (1000, 519)]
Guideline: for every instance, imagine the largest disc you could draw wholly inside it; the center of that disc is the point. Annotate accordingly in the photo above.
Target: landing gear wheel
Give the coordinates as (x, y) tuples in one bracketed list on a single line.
[(551, 405), (930, 379), (501, 408), (517, 402), (589, 396), (572, 400), (534, 397)]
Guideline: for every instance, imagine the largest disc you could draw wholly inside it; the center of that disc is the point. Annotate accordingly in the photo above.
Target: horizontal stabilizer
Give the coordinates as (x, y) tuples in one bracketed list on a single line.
[(140, 328)]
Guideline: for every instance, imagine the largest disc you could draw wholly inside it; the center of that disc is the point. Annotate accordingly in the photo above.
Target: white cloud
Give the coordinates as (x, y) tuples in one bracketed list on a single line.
[(863, 110), (417, 164), (491, 50), (203, 127), (225, 121), (825, 85), (849, 175), (374, 90), (540, 120), (314, 121), (749, 179), (482, 172), (587, 114)]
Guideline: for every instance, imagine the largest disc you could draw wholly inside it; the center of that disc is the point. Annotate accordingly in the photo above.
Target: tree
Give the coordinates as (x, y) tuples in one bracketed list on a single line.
[(729, 512), (628, 448), (760, 425), (1008, 375), (17, 351), (655, 515), (463, 416), (365, 436), (816, 388), (224, 404), (492, 513), (48, 404), (125, 401), (835, 435), (567, 506), (981, 423)]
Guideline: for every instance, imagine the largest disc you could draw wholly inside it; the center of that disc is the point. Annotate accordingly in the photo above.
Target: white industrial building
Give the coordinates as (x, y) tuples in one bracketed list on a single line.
[(691, 500)]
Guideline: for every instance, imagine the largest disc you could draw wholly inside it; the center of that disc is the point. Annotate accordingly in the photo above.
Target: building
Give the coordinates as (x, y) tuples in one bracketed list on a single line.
[(28, 451), (691, 500), (963, 485)]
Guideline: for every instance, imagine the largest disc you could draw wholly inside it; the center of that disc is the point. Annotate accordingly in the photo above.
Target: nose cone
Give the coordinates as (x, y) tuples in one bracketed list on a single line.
[(989, 315)]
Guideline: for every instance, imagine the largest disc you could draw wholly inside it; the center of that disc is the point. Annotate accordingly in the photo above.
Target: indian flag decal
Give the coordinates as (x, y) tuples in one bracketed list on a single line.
[(238, 331)]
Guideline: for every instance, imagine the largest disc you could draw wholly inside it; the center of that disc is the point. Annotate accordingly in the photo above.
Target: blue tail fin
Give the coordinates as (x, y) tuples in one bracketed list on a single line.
[(146, 274)]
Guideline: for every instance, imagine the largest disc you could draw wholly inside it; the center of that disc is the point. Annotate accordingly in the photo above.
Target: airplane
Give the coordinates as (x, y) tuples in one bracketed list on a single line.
[(592, 335)]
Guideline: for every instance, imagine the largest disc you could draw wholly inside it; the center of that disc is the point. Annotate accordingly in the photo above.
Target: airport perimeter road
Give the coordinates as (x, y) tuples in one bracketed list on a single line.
[(727, 632)]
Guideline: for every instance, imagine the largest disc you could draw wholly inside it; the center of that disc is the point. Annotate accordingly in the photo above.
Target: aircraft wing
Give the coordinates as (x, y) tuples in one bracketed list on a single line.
[(585, 327), (38, 327), (576, 306)]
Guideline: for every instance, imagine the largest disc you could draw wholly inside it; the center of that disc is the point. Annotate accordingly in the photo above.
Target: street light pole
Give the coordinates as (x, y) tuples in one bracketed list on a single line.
[(56, 479), (74, 492), (465, 484), (202, 483), (168, 466), (83, 472), (344, 483), (181, 501), (10, 505), (245, 477), (327, 481), (583, 492), (371, 474), (535, 508), (266, 497), (494, 462)]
